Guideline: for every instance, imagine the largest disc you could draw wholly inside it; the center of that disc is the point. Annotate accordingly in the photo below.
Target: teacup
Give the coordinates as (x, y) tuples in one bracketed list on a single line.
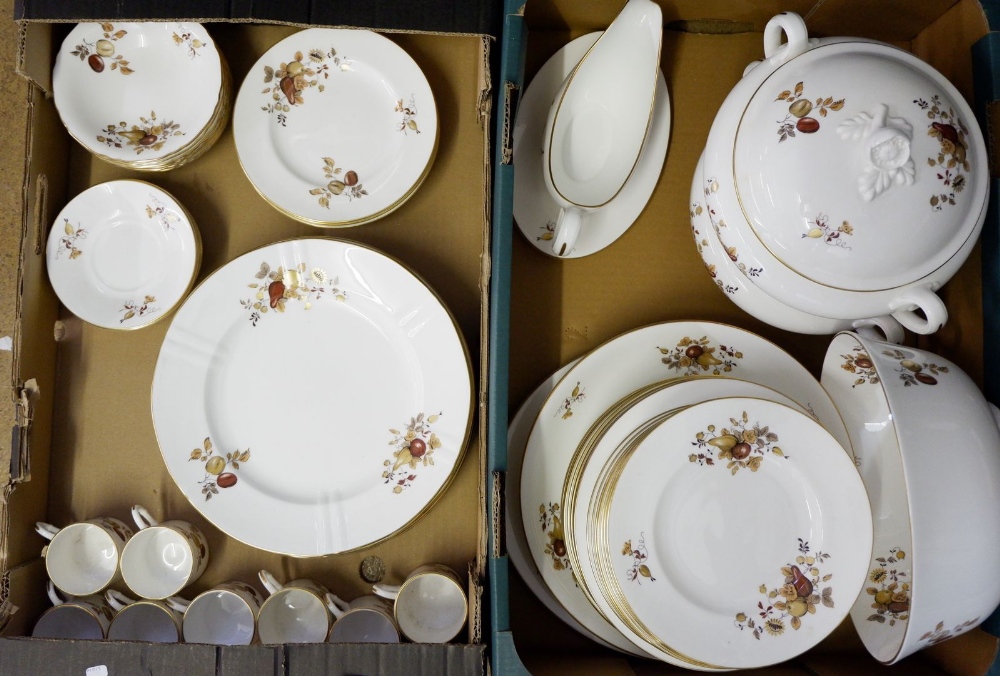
[(226, 614), (82, 558), (295, 612), (162, 558), (430, 606), (74, 617), (149, 620), (367, 619)]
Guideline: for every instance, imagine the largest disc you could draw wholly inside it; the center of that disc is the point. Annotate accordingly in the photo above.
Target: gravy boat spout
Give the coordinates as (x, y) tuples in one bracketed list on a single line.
[(599, 121)]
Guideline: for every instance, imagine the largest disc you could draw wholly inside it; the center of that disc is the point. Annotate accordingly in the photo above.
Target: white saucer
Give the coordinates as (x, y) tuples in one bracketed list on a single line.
[(535, 212)]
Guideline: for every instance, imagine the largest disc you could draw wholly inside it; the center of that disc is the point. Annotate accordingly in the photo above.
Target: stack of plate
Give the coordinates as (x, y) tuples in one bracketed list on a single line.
[(687, 491), (146, 96)]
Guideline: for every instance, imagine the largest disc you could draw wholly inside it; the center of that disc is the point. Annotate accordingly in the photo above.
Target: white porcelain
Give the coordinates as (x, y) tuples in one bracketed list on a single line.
[(610, 372), (748, 296), (74, 617), (366, 619), (737, 532), (535, 211), (863, 213), (226, 614), (139, 93), (335, 127), (930, 458), (82, 558), (147, 620), (161, 559), (300, 611), (620, 423), (327, 393), (430, 606), (598, 124), (122, 254)]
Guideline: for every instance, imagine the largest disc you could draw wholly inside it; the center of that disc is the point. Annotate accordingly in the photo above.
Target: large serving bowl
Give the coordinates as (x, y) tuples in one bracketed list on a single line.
[(928, 448), (846, 196)]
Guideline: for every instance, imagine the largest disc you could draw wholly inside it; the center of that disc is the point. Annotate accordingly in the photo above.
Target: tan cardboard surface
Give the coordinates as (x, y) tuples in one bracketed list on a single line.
[(561, 309), (104, 452)]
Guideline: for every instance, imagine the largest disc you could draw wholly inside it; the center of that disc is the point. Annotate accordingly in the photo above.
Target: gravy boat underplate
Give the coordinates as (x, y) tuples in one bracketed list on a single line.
[(598, 125)]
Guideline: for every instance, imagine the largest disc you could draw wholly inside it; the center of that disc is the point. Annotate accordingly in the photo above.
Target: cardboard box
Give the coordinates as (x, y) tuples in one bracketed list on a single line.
[(82, 442), (548, 312)]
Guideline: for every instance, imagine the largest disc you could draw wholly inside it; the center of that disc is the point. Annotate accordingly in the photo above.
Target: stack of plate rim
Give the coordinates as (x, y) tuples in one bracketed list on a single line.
[(147, 96), (671, 495)]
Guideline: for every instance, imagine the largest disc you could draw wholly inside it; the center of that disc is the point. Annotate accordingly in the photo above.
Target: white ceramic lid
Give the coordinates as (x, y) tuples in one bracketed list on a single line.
[(859, 183)]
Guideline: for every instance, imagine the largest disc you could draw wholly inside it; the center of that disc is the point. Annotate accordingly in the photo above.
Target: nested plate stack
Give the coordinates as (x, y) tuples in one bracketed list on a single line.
[(148, 96), (688, 492)]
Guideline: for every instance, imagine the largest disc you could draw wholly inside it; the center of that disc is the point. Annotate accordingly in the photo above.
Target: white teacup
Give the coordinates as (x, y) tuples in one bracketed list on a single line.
[(152, 621), (367, 619), (295, 612), (74, 617), (82, 558), (226, 614), (162, 558), (430, 606)]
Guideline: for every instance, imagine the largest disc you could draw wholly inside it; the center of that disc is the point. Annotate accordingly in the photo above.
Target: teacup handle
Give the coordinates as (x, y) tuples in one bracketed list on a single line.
[(904, 307), (53, 593), (142, 517), (794, 28), (269, 581), (338, 606), (567, 230), (386, 591), (116, 599), (177, 603), (884, 328), (46, 530)]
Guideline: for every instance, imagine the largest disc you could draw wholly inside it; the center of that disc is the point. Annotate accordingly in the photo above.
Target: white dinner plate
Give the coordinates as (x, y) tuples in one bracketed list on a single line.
[(139, 93), (312, 397), (122, 254), (534, 209), (737, 531), (335, 127)]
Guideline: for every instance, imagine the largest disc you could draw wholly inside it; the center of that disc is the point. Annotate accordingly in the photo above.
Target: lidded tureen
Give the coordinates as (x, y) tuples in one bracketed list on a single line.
[(848, 178)]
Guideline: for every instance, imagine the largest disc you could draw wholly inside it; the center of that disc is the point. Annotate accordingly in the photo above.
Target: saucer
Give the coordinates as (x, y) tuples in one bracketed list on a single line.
[(535, 212), (335, 127), (121, 255)]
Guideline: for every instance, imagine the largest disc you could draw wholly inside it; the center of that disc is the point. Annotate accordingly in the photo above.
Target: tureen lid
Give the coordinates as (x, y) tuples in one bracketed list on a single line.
[(859, 166)]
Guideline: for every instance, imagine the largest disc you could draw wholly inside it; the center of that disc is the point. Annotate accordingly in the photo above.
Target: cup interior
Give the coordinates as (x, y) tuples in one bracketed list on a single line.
[(219, 617), (293, 615), (157, 563), (431, 608), (82, 559), (364, 625), (68, 621), (144, 622)]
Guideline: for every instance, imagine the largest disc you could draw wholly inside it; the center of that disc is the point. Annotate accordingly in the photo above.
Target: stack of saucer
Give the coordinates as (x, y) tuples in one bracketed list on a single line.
[(145, 96)]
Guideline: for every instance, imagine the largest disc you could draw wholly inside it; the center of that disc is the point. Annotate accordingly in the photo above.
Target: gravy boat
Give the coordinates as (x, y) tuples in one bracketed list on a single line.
[(598, 124)]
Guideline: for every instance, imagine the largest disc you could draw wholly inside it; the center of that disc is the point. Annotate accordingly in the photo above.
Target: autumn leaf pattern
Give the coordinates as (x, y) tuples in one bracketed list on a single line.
[(220, 470)]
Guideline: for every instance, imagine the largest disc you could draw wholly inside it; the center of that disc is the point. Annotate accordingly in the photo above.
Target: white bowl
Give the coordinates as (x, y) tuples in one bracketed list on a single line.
[(929, 451)]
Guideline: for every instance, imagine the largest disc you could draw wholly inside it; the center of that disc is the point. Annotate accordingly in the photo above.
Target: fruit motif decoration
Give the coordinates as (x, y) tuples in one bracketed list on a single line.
[(639, 555), (277, 287), (699, 357), (744, 445), (162, 213), (550, 518), (190, 41), (823, 230), (915, 373), (132, 309), (565, 410), (801, 111), (891, 591), (940, 634), (860, 364), (339, 183), (548, 232), (220, 472), (290, 80), (68, 242), (951, 163), (798, 596), (409, 111), (98, 54), (149, 134), (415, 446)]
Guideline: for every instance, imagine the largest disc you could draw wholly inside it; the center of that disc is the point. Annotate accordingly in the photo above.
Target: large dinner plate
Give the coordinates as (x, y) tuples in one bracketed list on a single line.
[(335, 127), (312, 397)]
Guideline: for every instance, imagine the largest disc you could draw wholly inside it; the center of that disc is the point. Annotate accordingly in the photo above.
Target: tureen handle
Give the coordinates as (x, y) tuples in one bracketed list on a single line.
[(794, 29), (934, 313), (889, 327)]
